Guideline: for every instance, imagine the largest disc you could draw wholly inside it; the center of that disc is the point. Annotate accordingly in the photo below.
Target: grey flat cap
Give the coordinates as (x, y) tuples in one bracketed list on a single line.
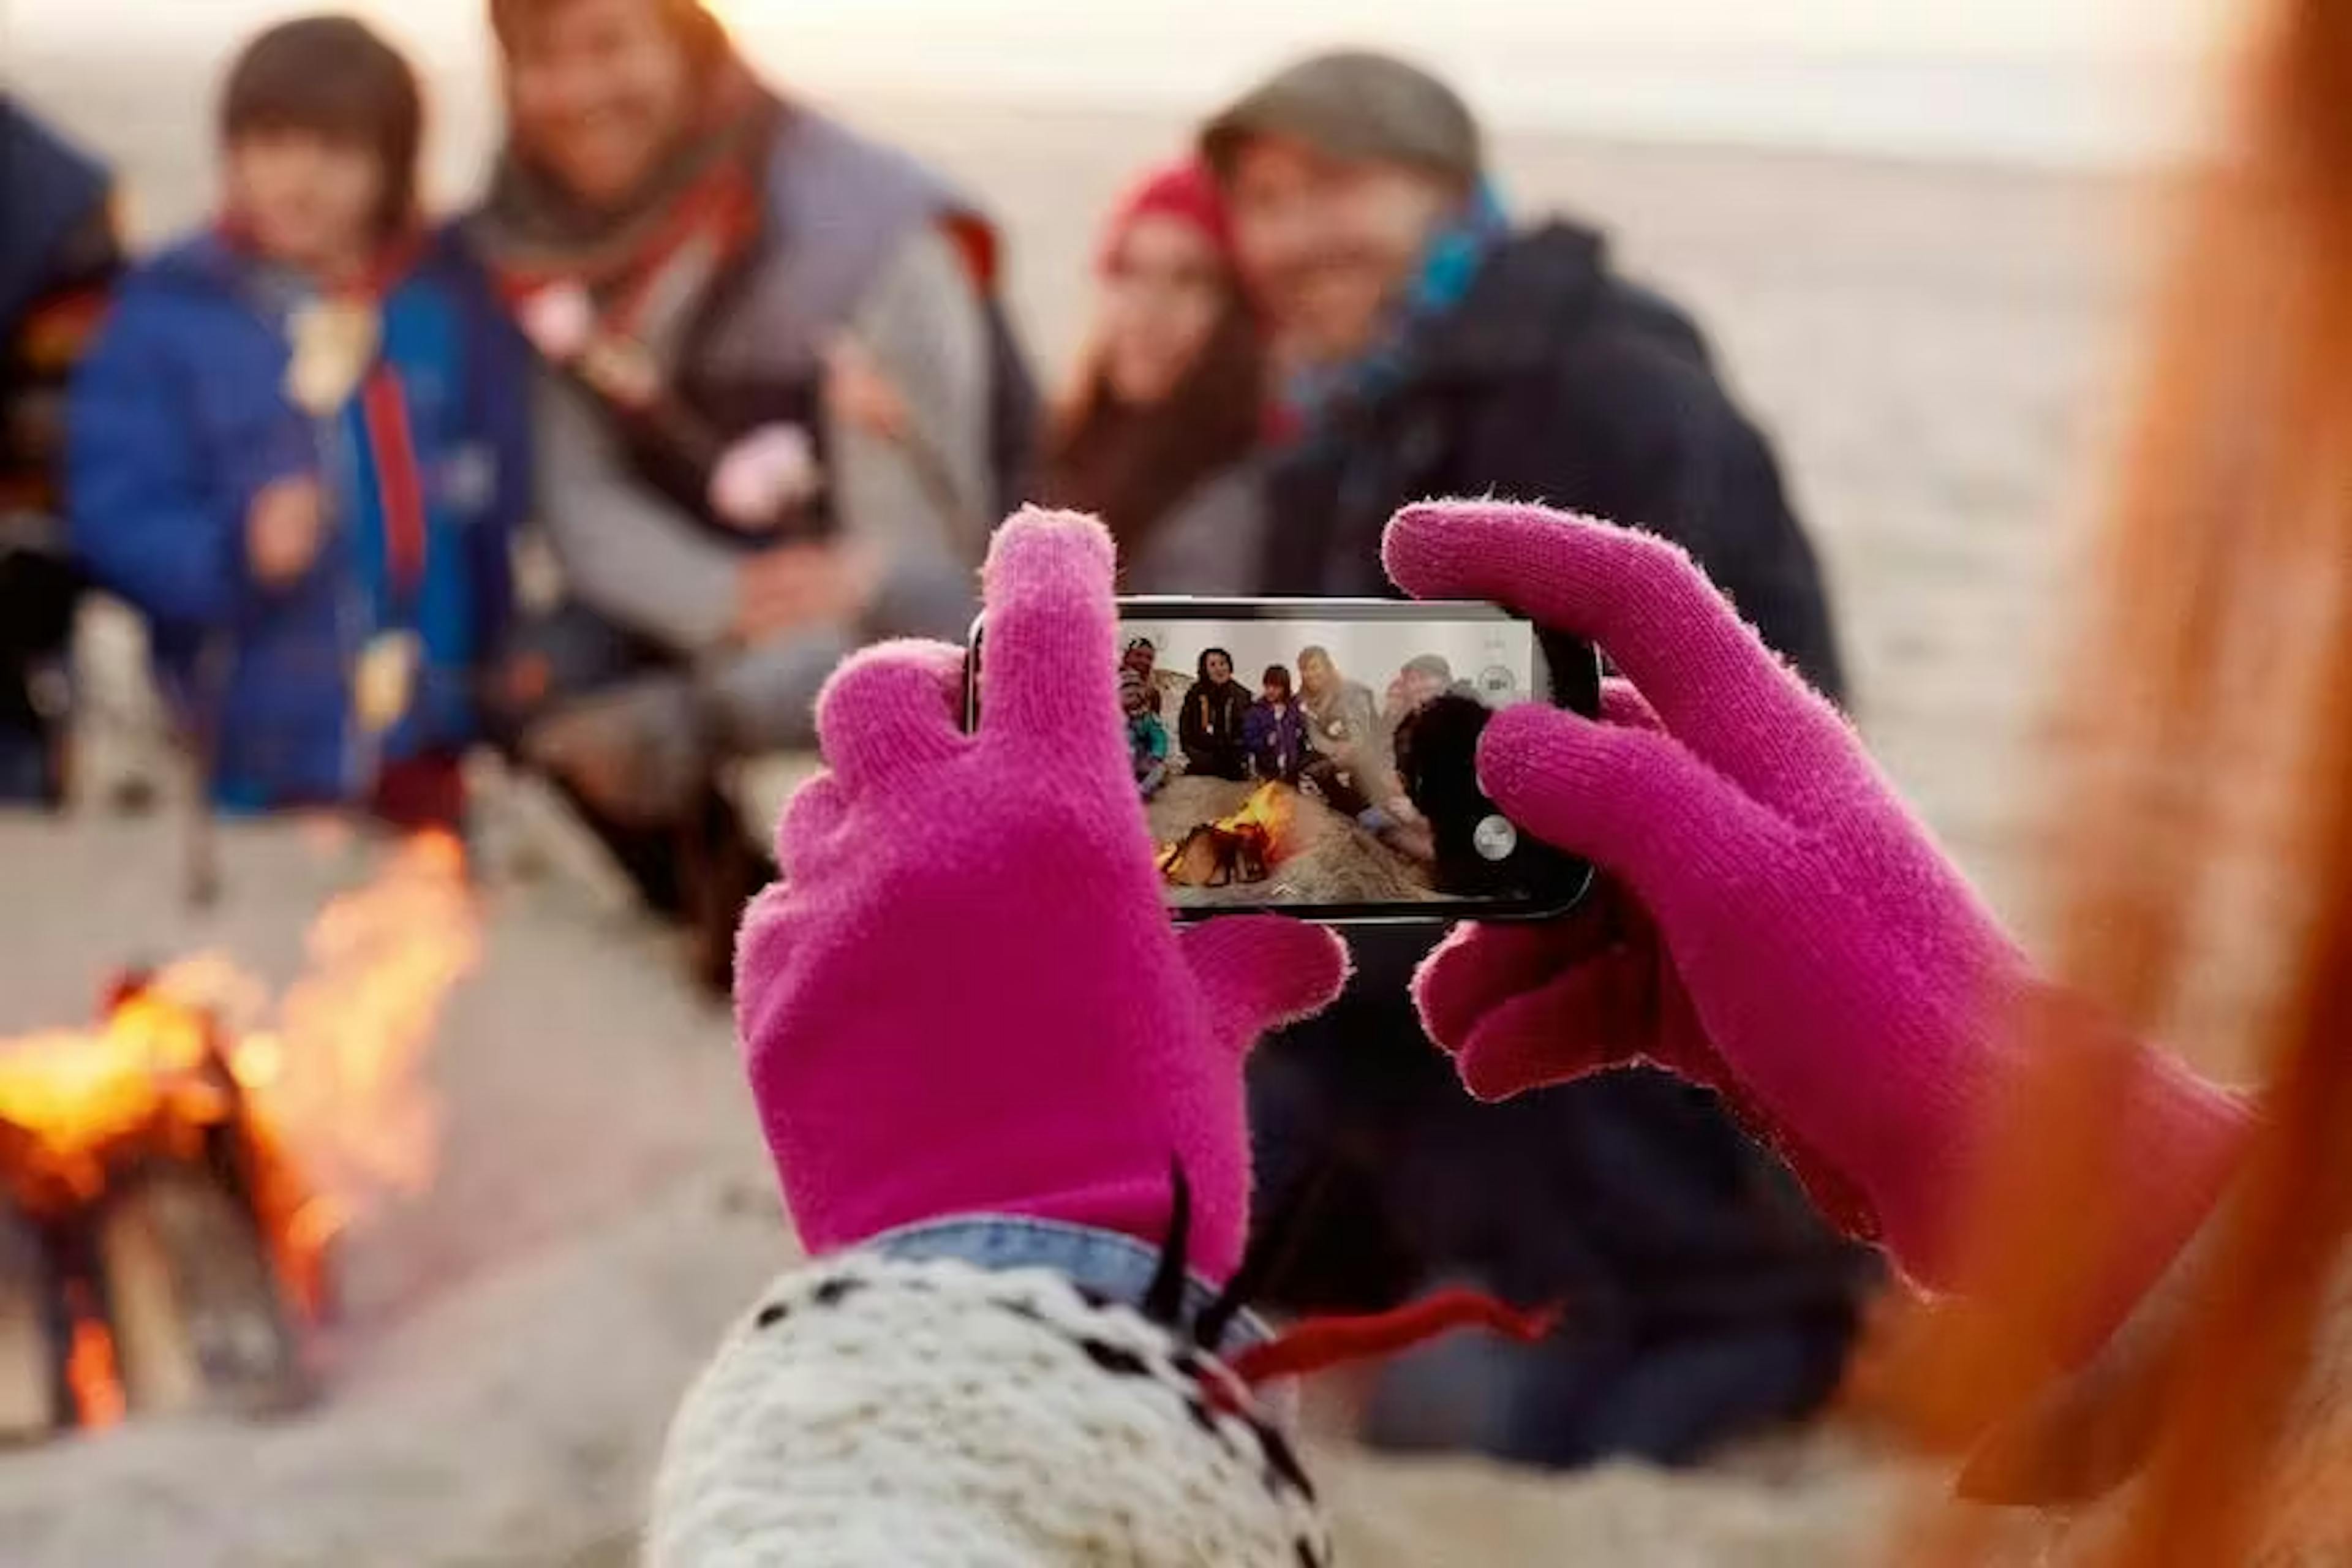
[(1354, 105)]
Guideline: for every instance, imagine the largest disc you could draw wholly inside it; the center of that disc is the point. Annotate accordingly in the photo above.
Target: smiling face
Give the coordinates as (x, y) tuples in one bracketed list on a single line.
[(1315, 671), (1220, 669), (307, 200), (597, 91), (1326, 243), (1164, 291)]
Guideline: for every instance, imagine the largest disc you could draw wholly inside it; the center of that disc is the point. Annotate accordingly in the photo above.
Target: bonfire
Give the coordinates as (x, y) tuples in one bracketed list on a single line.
[(1242, 847), (175, 1177)]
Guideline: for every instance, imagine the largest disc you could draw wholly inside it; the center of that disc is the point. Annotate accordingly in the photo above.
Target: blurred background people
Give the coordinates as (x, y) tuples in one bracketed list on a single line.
[(1421, 343), (1706, 1300), (1165, 410), (298, 448), (58, 256), (689, 250), (1424, 345), (1933, 395)]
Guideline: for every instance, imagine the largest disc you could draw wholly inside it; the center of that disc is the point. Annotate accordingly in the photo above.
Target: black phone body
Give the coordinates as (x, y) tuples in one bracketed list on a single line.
[(1357, 799)]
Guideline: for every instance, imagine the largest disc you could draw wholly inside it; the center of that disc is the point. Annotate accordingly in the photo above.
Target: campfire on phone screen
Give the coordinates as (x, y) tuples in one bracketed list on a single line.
[(1243, 848), (1227, 844), (174, 1176)]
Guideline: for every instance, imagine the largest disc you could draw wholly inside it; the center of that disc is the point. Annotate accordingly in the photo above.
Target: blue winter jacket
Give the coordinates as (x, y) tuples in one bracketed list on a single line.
[(179, 417), (1277, 738)]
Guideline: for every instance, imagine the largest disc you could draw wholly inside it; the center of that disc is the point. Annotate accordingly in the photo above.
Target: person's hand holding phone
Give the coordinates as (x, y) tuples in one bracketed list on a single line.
[(1778, 927), (965, 995)]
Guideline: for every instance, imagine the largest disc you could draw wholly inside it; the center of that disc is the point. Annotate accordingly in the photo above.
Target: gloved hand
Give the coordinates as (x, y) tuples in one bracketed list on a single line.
[(966, 995), (1778, 927)]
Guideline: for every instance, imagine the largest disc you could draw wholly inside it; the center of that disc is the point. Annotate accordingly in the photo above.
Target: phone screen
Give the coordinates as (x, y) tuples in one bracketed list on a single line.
[(1320, 757)]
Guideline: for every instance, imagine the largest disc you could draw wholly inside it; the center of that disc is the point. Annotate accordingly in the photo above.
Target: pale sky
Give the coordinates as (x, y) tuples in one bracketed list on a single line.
[(2063, 80), (2039, 28)]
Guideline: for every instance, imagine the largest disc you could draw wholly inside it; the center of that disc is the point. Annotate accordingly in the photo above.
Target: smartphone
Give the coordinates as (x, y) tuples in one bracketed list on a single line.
[(1319, 757)]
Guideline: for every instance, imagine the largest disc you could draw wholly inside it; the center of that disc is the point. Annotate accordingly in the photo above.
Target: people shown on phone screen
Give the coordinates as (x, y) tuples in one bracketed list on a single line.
[(1275, 729), (1146, 737), (1215, 712), (1420, 682), (1344, 728), (1142, 657)]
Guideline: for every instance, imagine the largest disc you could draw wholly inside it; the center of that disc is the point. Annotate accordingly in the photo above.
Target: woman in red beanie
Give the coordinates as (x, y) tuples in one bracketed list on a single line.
[(1165, 410)]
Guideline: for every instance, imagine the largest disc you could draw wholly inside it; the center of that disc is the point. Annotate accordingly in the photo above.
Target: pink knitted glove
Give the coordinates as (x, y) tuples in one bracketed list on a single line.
[(965, 996), (1779, 928)]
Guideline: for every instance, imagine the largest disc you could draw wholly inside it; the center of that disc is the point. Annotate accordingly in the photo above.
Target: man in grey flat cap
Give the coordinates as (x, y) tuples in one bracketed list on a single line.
[(1424, 347)]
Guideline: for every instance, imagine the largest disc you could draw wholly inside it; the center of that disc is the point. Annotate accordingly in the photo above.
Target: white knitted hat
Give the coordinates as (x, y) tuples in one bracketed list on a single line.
[(888, 1413)]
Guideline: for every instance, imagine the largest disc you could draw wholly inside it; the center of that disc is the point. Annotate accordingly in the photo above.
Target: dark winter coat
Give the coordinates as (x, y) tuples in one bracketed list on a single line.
[(1210, 730), (1557, 381), (1277, 738), (1554, 381)]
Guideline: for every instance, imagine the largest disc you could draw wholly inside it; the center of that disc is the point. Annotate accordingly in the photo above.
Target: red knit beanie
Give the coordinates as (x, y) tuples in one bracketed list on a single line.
[(1186, 192)]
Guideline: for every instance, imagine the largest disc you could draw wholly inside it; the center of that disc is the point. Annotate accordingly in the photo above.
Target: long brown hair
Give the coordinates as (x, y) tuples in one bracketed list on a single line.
[(1131, 466), (2204, 806)]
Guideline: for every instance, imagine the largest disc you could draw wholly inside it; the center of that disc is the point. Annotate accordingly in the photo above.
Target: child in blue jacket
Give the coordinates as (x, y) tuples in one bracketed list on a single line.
[(299, 448), (1146, 737), (1274, 730)]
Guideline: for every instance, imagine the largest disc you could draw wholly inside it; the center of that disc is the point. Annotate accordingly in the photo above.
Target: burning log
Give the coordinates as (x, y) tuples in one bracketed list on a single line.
[(140, 1277), (198, 1320), (1215, 857), (33, 1397), (1312, 854), (1242, 847), (163, 1249)]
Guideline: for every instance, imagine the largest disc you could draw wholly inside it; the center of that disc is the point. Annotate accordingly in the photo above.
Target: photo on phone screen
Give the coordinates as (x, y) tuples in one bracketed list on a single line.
[(1320, 757)]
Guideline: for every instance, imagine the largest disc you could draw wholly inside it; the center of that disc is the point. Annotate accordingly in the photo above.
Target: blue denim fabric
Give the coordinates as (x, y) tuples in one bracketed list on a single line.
[(1116, 1265)]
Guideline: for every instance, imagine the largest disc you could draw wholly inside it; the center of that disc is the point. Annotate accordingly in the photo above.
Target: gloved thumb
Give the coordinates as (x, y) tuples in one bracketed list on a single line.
[(1258, 972)]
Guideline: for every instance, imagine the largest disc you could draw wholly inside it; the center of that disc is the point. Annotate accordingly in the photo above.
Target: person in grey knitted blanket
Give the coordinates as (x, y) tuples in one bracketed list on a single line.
[(718, 280)]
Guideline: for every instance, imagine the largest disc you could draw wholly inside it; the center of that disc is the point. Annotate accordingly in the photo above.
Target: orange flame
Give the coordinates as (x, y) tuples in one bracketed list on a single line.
[(327, 1085), (1265, 816), (1269, 809), (92, 1375)]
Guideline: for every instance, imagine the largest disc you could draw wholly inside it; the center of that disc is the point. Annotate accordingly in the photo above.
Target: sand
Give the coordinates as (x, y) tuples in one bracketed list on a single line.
[(1928, 344)]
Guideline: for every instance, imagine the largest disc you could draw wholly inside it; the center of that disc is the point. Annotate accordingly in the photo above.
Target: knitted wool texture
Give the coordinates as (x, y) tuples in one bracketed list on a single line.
[(965, 995), (1781, 929), (873, 1413)]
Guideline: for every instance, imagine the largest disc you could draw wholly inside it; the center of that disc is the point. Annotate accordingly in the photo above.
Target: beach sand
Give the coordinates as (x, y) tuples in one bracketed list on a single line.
[(1930, 346)]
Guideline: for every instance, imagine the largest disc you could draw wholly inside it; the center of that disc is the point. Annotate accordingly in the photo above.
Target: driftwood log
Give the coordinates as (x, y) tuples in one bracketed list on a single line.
[(171, 1273), (1324, 856), (1211, 856), (193, 1303), (34, 1400)]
